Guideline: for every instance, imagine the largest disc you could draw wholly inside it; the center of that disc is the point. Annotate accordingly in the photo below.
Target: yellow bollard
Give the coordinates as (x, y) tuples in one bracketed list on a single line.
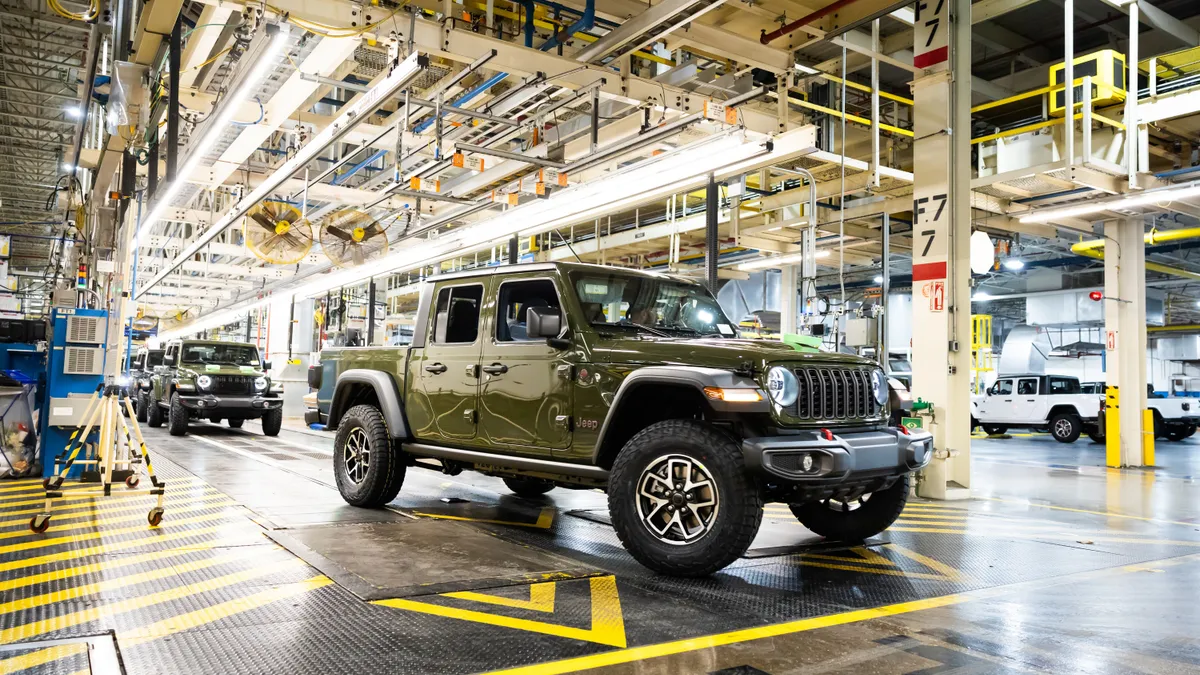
[(1148, 437), (1112, 427)]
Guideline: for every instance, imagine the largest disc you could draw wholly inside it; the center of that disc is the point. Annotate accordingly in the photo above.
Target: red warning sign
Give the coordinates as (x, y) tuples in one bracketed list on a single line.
[(937, 295), (1110, 341)]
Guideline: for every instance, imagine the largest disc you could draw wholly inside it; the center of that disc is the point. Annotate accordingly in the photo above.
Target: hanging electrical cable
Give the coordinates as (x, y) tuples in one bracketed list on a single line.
[(842, 197)]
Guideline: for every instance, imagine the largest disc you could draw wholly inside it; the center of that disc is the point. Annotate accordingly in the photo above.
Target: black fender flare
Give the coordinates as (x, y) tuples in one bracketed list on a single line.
[(386, 392), (690, 376)]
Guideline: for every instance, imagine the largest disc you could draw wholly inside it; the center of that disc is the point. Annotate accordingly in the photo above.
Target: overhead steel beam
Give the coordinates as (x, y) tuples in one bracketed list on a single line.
[(503, 154), (638, 31), (399, 77)]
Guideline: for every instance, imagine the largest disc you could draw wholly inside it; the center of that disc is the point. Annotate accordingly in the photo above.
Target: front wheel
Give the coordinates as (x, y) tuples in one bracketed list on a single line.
[(681, 500), (154, 413), (177, 418), (1066, 427), (855, 519), (143, 406), (367, 466), (272, 422), (993, 429)]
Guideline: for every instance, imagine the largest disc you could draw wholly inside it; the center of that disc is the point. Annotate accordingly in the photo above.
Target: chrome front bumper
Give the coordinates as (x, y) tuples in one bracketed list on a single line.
[(845, 457)]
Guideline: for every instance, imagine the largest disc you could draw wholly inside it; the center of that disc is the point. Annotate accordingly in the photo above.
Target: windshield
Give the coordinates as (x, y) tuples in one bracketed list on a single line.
[(665, 307), (899, 364), (154, 358), (225, 355)]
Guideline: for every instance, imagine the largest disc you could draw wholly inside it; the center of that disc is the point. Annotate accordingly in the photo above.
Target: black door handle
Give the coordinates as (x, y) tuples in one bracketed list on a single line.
[(495, 369), (436, 368)]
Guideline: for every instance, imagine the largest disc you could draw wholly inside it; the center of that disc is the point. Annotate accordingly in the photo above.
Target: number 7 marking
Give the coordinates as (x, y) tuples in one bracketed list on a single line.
[(929, 242)]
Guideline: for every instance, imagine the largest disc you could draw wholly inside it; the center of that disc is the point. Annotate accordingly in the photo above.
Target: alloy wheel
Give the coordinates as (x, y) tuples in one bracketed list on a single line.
[(677, 499), (356, 454)]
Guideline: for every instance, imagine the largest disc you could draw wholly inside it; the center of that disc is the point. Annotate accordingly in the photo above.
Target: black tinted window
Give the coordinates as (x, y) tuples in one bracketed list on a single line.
[(457, 315), (1064, 385), (516, 297), (1027, 387)]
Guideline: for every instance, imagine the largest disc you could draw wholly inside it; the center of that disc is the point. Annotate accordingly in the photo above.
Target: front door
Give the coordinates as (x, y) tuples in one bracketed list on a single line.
[(525, 395), (997, 406), (445, 370)]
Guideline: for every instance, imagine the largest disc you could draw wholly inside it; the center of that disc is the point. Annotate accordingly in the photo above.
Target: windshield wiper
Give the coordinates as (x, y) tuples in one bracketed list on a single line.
[(648, 329)]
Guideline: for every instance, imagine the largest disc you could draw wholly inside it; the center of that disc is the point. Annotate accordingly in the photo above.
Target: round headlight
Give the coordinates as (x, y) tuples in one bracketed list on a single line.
[(204, 381), (879, 386), (782, 385), (260, 383)]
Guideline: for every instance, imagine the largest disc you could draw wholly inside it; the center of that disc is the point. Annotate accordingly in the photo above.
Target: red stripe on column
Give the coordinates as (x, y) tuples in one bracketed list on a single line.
[(927, 271), (931, 58)]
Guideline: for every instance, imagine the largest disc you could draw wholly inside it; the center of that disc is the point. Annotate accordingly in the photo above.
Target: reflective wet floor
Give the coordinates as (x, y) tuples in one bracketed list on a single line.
[(1056, 565)]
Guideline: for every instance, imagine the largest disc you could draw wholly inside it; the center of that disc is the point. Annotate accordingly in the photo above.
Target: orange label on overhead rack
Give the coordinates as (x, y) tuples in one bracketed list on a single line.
[(719, 112), (504, 198), (552, 177), (460, 160), (419, 184)]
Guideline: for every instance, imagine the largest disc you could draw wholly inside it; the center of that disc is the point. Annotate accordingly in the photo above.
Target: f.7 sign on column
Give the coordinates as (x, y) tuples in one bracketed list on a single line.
[(931, 33), (931, 216)]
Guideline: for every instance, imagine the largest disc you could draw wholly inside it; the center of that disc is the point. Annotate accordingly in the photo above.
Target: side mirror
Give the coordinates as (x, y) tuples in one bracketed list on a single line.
[(168, 360), (266, 365), (543, 322)]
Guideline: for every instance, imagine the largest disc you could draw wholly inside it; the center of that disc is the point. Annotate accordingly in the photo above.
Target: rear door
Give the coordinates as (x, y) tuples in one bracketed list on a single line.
[(445, 371), (525, 390), (1025, 400)]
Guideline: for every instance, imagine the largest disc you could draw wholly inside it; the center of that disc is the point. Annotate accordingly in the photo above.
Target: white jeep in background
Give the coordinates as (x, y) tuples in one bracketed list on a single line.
[(1174, 418), (1039, 402)]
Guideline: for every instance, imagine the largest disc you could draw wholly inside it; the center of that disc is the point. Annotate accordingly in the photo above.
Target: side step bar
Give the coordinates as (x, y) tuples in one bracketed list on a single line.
[(507, 461)]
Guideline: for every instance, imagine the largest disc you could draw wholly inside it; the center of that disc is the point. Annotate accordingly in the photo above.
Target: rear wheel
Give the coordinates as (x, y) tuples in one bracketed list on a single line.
[(154, 412), (855, 519), (993, 429), (528, 487), (681, 500), (272, 422), (1096, 437), (235, 422), (367, 465), (177, 418), (1066, 427)]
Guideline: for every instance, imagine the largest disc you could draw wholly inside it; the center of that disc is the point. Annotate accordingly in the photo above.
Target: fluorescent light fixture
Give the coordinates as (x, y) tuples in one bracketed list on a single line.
[(806, 70), (1127, 202), (779, 261), (74, 112), (225, 115), (68, 167), (981, 296), (878, 279), (1014, 264)]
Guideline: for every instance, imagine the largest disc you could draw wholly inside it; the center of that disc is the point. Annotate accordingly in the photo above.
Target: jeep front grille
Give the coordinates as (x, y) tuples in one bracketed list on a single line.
[(232, 384), (834, 393)]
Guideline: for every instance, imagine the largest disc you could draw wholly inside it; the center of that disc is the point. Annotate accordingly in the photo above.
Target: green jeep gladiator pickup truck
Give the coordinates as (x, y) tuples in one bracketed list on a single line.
[(205, 379), (582, 376)]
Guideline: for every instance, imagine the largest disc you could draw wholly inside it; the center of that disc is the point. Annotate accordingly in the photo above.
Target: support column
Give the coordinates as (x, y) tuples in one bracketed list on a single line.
[(788, 297), (293, 374), (711, 244), (941, 246), (1125, 335)]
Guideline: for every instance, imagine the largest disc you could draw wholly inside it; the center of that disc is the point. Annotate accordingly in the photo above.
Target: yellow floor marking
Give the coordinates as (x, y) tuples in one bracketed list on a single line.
[(71, 486), (216, 501), (608, 624), (64, 621), (945, 570), (121, 582), (95, 493), (75, 538), (865, 557), (112, 564), (874, 570), (544, 521), (1108, 514), (41, 657), (541, 598), (99, 506), (932, 521), (106, 548), (801, 625), (179, 623), (927, 530)]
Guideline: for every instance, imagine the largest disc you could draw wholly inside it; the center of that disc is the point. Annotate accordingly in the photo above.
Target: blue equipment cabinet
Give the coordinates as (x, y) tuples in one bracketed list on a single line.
[(74, 371)]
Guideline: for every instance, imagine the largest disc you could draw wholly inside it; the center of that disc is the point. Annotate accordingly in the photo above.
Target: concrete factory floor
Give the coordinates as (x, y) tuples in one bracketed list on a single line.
[(1056, 565)]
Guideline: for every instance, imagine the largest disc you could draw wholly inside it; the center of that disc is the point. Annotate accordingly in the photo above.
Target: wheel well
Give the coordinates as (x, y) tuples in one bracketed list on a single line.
[(644, 405), (1063, 409), (352, 394)]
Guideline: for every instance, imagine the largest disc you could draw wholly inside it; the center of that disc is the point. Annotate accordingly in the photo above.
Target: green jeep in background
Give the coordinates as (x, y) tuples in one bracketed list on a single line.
[(582, 376), (202, 379)]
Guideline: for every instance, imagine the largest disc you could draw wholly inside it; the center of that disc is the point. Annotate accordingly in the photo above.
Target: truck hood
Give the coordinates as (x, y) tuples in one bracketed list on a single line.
[(710, 353), (221, 369)]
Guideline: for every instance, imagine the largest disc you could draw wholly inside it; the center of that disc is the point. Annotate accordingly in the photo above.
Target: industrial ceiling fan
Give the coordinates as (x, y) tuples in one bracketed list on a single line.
[(351, 237), (277, 233)]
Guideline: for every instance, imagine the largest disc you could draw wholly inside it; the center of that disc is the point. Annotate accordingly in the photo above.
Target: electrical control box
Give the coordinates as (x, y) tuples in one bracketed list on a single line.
[(1107, 70), (862, 332)]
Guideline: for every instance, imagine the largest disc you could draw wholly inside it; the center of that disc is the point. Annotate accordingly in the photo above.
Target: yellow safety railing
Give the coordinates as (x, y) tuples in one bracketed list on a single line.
[(981, 348), (1043, 91)]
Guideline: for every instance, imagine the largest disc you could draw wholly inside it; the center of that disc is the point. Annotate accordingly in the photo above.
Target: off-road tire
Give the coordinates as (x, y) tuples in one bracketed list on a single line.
[(215, 420), (1097, 437), (385, 470), (235, 422), (121, 405), (528, 488), (1066, 427), (1160, 425), (177, 418), (993, 429), (143, 406), (739, 503), (154, 413), (272, 422), (875, 513)]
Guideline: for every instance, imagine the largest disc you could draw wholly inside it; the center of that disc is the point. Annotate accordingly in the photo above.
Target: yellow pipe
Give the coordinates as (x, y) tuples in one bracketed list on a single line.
[(1178, 328), (1095, 249)]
